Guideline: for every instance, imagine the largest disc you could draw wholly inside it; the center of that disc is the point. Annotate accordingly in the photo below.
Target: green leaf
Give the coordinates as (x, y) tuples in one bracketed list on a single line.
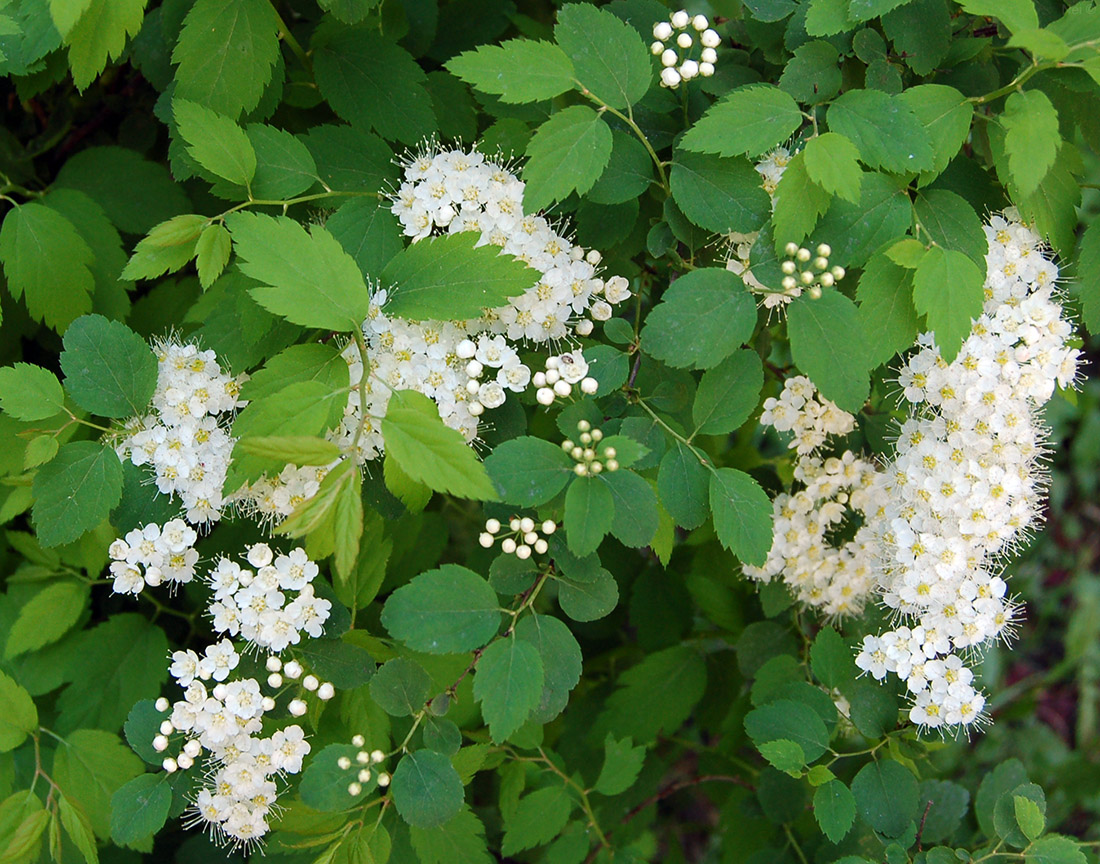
[(748, 121), (141, 726), (443, 611), (46, 617), (834, 809), (139, 808), (430, 452), (790, 720), (292, 450), (812, 75), (865, 10), (589, 511), (784, 755), (656, 695), (449, 277), (885, 792), (1055, 849), (348, 11), (856, 231), (350, 158), (47, 263), (609, 57), (1005, 822), (528, 471), (212, 253), (22, 823), (831, 162), (588, 599), (1040, 42), (460, 840), (831, 660), (621, 763), (1031, 139), (29, 392), (89, 767), (682, 482), (884, 129), (426, 789), (720, 195), (887, 318), (946, 804), (1052, 209), (226, 54), (952, 223), (75, 492), (828, 18), (1015, 14), (307, 277), (1088, 290), (284, 165), (79, 829), (169, 246), (742, 515), (799, 203), (538, 819), (1029, 816), (508, 684), (703, 317), (19, 717), (400, 687), (561, 661), (948, 290), (345, 664), (636, 518), (298, 363), (628, 174), (369, 233), (325, 784), (216, 142), (109, 369), (826, 344), (372, 82), (519, 70), (945, 114), (567, 153), (99, 33)]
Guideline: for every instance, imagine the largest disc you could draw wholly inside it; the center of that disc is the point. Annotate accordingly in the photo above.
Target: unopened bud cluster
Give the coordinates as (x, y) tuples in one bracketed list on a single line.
[(521, 539), (809, 271), (361, 766), (559, 377), (686, 31), (279, 672), (590, 457)]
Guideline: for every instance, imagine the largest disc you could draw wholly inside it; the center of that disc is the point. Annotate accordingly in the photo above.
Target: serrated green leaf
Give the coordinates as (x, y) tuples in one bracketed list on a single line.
[(834, 809), (307, 277), (750, 120), (828, 18), (621, 763), (284, 165), (325, 784), (561, 660), (657, 695), (216, 142), (683, 485), (46, 617), (1028, 816), (827, 344), (19, 717), (29, 392), (90, 766), (1040, 43), (443, 611), (588, 599), (1055, 849), (790, 720), (79, 829), (109, 369), (460, 840), (567, 153), (742, 515), (812, 75), (952, 223), (426, 789), (865, 10), (519, 70), (884, 129), (430, 452), (400, 687), (100, 33), (292, 450), (448, 277), (508, 684), (784, 755), (887, 318), (628, 174), (831, 163), (589, 511), (945, 114), (169, 246), (369, 233), (609, 58), (1031, 138), (855, 231), (718, 194), (831, 660), (76, 491), (1015, 14), (538, 819), (799, 203), (139, 808), (636, 517), (948, 290), (885, 793), (212, 253)]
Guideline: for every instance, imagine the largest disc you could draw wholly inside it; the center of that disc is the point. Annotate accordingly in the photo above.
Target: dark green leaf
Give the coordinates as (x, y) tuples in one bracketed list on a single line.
[(608, 56), (139, 808), (718, 194), (750, 120), (561, 661), (834, 809), (887, 318), (109, 369), (567, 153), (884, 129), (76, 491), (426, 789), (400, 687), (508, 684), (886, 796), (443, 611), (589, 511), (742, 515)]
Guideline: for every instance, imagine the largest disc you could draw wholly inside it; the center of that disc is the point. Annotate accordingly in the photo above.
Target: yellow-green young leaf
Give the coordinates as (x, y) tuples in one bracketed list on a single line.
[(884, 129), (948, 291), (177, 231), (307, 277), (75, 492), (621, 763), (538, 819), (100, 32), (906, 253), (1028, 816), (519, 70), (358, 587), (412, 493), (827, 344), (1040, 43), (1055, 849), (226, 53), (90, 766), (431, 452), (347, 525), (65, 13), (47, 263), (449, 277), (1015, 14), (19, 717), (508, 684), (865, 10), (799, 203), (608, 55), (1032, 138), (426, 789), (22, 822), (784, 755), (567, 153), (46, 617), (40, 450), (216, 142), (292, 450), (79, 829), (29, 392), (168, 247), (832, 163), (109, 369), (212, 253), (750, 120)]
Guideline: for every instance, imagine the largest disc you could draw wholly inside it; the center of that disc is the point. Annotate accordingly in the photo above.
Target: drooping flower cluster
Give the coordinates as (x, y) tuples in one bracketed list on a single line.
[(967, 483), (184, 439), (837, 578), (681, 24), (151, 555), (255, 605)]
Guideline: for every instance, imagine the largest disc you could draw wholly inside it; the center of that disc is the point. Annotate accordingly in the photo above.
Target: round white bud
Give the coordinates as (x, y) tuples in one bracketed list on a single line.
[(526, 524), (824, 250), (311, 683), (561, 388), (567, 445), (192, 748), (593, 257), (184, 761), (476, 409), (274, 680), (160, 743), (803, 254), (162, 704), (492, 525), (807, 277), (656, 48), (472, 386), (541, 546), (355, 788), (362, 757), (343, 763), (539, 379), (170, 765), (814, 292), (680, 19), (706, 69), (669, 78), (297, 707), (584, 327), (508, 546), (586, 437), (788, 267), (596, 467), (273, 664), (364, 775), (684, 40), (589, 386), (662, 30), (601, 310), (838, 273), (821, 262), (710, 39), (612, 465), (358, 740), (513, 525), (580, 469), (583, 426), (689, 69), (549, 526), (220, 690), (485, 539), (465, 349), (669, 58), (577, 452), (552, 376), (700, 22), (530, 537), (544, 396), (789, 283), (377, 756), (383, 779), (293, 669), (610, 452), (523, 552), (474, 369), (791, 249), (826, 279), (708, 55), (267, 703), (326, 691), (553, 362)]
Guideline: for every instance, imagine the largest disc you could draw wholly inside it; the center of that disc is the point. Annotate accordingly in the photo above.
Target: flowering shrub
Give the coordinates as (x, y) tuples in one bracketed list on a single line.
[(470, 431)]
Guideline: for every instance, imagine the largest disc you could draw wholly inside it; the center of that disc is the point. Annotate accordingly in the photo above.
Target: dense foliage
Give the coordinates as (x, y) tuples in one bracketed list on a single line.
[(476, 430)]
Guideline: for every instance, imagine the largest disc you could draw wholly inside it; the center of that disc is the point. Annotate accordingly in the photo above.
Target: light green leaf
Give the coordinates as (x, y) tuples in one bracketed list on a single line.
[(169, 246), (728, 393), (1015, 14), (66, 13), (831, 163), (212, 253), (75, 492), (567, 153), (561, 660), (101, 32), (538, 819), (608, 55), (831, 659), (216, 142), (1031, 139), (834, 809), (742, 515), (284, 165), (720, 195), (683, 484), (19, 717), (799, 203), (29, 392), (865, 10), (292, 450), (448, 277), (426, 789), (750, 120), (519, 70), (226, 54), (109, 369), (309, 362), (46, 617), (307, 277), (784, 755), (1040, 42), (508, 684), (90, 766), (812, 75), (884, 129), (139, 808), (945, 114), (430, 452), (887, 318), (79, 829), (829, 17), (1028, 816), (827, 345), (621, 763), (589, 511), (952, 223), (948, 290), (444, 611), (1055, 849), (528, 471)]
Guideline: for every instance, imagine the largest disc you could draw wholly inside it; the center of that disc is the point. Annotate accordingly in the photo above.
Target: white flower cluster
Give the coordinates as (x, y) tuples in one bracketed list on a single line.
[(590, 457), (674, 69), (274, 498), (468, 367), (225, 721), (523, 538), (364, 760), (967, 484), (183, 439), (559, 377), (151, 555), (836, 579), (254, 604)]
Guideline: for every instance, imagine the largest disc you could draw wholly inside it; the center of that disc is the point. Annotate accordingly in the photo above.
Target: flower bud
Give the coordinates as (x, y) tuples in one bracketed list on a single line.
[(530, 537), (580, 469), (274, 664), (539, 379), (803, 254), (684, 40), (662, 30), (669, 57), (526, 524), (160, 743), (549, 526), (354, 789), (476, 409), (700, 22), (788, 267), (562, 389), (656, 48), (162, 704), (274, 680), (297, 707), (184, 761), (612, 465), (492, 526), (589, 386), (789, 283), (689, 69), (364, 775), (383, 779), (485, 540), (362, 757), (680, 19), (824, 250), (710, 39), (815, 292), (584, 327), (293, 669), (706, 69), (791, 249), (358, 740), (708, 55), (267, 703), (826, 279), (807, 277), (170, 765), (523, 552), (377, 756), (508, 546), (669, 78), (838, 273), (474, 369), (541, 546), (465, 349), (326, 691), (596, 467), (544, 396), (192, 748)]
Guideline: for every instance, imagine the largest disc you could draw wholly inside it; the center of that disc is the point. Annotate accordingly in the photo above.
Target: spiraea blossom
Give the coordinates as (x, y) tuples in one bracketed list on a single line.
[(152, 554), (690, 33), (967, 482), (838, 579)]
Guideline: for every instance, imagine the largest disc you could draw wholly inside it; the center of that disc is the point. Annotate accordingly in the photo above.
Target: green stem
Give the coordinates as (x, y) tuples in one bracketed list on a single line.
[(628, 119), (1014, 84), (361, 344), (293, 44)]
